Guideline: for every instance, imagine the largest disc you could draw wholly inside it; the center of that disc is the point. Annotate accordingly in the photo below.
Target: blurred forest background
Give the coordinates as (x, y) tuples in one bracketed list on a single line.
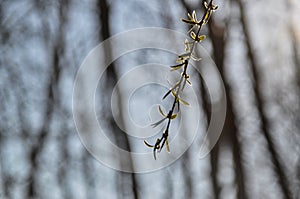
[(256, 46)]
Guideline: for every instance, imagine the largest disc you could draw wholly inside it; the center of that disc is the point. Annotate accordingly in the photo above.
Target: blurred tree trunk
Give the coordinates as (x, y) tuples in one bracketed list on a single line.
[(296, 55), (283, 182), (5, 179), (214, 157), (88, 171), (296, 59), (230, 132), (62, 175), (121, 137), (63, 179), (52, 99), (38, 141), (295, 43), (186, 163)]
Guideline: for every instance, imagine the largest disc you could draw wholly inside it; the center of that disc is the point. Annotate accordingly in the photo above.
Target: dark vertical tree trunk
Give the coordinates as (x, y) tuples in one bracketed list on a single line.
[(230, 132), (5, 178), (63, 170), (214, 157), (185, 166), (52, 94), (295, 43), (62, 175), (121, 137), (88, 171), (283, 182), (296, 59), (39, 141)]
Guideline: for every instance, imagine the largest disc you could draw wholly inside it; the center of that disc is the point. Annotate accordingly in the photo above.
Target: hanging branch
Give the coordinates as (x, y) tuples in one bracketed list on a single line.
[(182, 64)]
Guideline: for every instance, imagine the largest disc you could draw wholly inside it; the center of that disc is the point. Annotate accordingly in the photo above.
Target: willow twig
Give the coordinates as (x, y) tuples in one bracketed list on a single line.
[(183, 62)]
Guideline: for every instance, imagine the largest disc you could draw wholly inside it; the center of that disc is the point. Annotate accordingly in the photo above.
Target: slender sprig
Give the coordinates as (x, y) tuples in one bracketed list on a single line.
[(182, 63)]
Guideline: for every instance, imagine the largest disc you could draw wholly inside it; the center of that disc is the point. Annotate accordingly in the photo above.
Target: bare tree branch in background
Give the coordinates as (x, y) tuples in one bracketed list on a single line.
[(121, 137), (283, 182)]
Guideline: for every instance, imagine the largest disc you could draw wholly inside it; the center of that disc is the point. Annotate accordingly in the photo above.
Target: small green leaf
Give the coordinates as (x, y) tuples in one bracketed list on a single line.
[(167, 146), (147, 144), (173, 116), (179, 99), (187, 46), (176, 67), (161, 112), (184, 102), (205, 5), (174, 95), (189, 21), (188, 81), (195, 58), (194, 15), (190, 17), (193, 35), (201, 37)]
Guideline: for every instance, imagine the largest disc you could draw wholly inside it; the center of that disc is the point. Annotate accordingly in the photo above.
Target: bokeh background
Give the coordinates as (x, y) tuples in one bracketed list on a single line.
[(255, 45)]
